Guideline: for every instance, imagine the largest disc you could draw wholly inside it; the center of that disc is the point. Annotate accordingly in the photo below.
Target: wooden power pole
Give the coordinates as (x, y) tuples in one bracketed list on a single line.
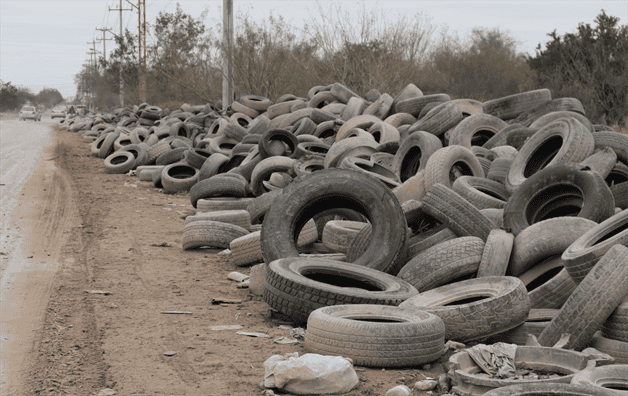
[(121, 38), (141, 28), (104, 40), (227, 58)]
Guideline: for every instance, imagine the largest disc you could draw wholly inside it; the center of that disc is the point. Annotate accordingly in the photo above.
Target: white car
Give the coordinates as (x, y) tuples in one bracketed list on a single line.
[(58, 111), (30, 112)]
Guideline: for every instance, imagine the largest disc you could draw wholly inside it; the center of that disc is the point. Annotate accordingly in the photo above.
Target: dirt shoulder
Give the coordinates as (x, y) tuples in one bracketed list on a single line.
[(128, 243)]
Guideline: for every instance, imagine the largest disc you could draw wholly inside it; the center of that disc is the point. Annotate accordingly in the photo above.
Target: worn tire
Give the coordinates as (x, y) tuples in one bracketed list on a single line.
[(509, 107), (482, 193), (178, 177), (213, 234), (545, 389), (605, 378), (476, 130), (443, 263), (120, 162), (336, 189), (506, 307), (376, 335), (559, 190), (218, 186), (449, 163), (496, 253), (617, 349), (413, 154), (288, 290), (595, 298)]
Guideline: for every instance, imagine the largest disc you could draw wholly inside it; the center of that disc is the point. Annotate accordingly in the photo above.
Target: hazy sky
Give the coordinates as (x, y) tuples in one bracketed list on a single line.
[(45, 43)]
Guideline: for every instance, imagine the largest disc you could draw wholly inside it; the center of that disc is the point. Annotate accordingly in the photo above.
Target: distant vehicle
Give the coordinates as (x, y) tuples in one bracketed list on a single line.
[(58, 111), (29, 112)]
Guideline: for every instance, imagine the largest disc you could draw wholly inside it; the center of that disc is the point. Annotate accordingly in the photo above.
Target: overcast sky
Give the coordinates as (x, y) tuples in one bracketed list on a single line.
[(45, 43)]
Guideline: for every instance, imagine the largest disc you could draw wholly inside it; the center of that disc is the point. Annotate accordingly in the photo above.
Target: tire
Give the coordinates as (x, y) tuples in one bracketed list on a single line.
[(178, 178), (559, 190), (562, 141), (361, 122), (120, 162), (241, 217), (617, 349), (288, 290), (586, 251), (481, 192), (537, 321), (214, 165), (595, 298), (380, 107), (218, 186), (196, 157), (460, 216), (602, 162), (376, 335), (616, 141), (548, 284), (409, 91), (342, 93), (604, 378), (411, 189), (620, 194), (213, 234), (496, 254), (224, 203), (267, 149), (449, 163), (265, 168), (158, 149), (338, 234), (260, 205), (400, 119), (561, 104), (545, 389), (553, 116), (256, 102), (107, 145), (443, 263), (546, 239), (476, 130), (504, 305), (511, 106), (439, 120), (336, 189), (424, 240), (617, 175), (139, 151), (171, 156), (414, 105), (413, 154), (616, 326), (371, 169)]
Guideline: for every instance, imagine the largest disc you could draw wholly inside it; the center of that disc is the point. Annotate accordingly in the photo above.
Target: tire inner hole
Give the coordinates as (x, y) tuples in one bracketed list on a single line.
[(559, 200), (543, 278), (491, 193), (181, 172), (410, 163), (614, 232), (482, 136), (459, 169), (619, 386), (340, 281), (543, 155), (119, 160)]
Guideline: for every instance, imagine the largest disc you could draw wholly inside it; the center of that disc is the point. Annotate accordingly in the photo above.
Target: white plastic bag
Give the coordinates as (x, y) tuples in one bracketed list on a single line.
[(310, 374)]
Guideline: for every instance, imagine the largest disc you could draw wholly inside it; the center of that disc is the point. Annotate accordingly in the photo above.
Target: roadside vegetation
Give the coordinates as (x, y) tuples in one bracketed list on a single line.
[(382, 51)]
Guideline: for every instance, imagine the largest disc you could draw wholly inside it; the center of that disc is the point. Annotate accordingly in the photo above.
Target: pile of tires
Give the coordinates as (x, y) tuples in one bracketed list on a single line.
[(482, 216)]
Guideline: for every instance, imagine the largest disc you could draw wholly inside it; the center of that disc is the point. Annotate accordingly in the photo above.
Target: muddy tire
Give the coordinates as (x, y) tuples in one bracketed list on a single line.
[(545, 389), (443, 263), (178, 178), (265, 168), (496, 254), (617, 349), (376, 335), (604, 378), (413, 154), (449, 163), (586, 251), (120, 162), (481, 192), (616, 326), (476, 130), (562, 141), (560, 190), (336, 189), (460, 216), (616, 141), (218, 186), (593, 301), (213, 234), (511, 106), (503, 304), (297, 286)]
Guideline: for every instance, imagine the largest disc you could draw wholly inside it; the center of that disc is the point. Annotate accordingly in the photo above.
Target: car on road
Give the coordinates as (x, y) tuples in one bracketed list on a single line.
[(58, 111), (30, 112)]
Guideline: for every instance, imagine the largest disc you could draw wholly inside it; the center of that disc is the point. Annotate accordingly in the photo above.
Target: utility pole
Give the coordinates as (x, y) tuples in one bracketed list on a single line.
[(104, 47), (141, 46), (227, 59), (121, 38)]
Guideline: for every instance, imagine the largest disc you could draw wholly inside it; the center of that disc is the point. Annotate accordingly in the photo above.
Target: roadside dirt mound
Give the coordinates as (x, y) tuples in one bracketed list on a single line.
[(129, 244)]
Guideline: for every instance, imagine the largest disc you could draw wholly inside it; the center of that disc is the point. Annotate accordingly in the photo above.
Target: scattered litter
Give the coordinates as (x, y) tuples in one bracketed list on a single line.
[(171, 353), (106, 392), (298, 333), (163, 244), (425, 385), (261, 335), (113, 306), (106, 293), (4, 254), (238, 276), (216, 301), (29, 257), (310, 374), (286, 340), (226, 327), (399, 390), (176, 313), (243, 285), (132, 173), (129, 185), (455, 346), (171, 204), (285, 327), (497, 360), (166, 209)]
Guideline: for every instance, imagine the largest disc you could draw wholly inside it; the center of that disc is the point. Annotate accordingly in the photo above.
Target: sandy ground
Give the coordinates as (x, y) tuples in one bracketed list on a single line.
[(113, 233)]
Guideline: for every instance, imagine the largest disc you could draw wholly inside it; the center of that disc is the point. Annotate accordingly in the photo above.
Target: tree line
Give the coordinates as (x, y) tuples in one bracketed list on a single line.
[(365, 50), (12, 97)]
